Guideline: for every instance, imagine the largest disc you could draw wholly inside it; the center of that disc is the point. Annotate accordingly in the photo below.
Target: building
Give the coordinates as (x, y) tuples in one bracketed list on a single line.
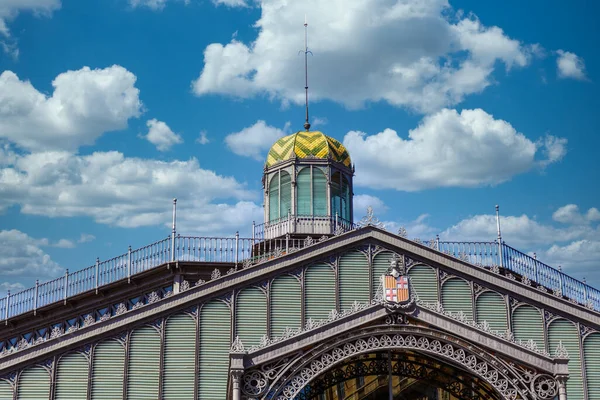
[(298, 311)]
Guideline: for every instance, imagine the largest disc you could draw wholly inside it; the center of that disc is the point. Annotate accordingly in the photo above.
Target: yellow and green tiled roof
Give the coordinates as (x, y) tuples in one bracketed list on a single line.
[(305, 144)]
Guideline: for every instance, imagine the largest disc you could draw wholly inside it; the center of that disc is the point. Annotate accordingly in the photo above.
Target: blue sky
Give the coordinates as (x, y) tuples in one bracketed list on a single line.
[(109, 109)]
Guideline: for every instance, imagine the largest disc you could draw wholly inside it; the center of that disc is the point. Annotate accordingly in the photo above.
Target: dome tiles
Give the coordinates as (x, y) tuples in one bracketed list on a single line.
[(312, 144)]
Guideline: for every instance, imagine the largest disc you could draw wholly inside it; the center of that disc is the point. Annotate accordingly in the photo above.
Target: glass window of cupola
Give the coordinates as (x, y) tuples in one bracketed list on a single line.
[(312, 192), (280, 195), (340, 196)]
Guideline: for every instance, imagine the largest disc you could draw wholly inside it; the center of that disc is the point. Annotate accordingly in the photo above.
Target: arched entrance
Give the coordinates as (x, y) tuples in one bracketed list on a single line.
[(424, 357), (404, 374)]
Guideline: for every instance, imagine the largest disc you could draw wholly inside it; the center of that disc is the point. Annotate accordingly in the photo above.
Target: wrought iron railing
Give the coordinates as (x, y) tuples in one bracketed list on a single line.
[(529, 268), (302, 224), (238, 250)]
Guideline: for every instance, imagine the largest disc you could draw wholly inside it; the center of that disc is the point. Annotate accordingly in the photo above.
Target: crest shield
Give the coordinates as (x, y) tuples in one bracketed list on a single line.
[(396, 288)]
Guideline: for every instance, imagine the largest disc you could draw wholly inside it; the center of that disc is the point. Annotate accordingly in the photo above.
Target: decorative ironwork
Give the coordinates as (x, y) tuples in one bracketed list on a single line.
[(153, 297), (237, 346), (561, 351), (370, 220), (185, 285), (121, 309), (544, 387), (482, 326), (215, 274), (402, 232), (306, 367)]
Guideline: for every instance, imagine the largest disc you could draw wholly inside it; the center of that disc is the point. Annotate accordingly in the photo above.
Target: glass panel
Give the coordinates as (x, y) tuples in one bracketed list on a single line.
[(345, 211), (304, 198), (319, 192), (336, 194), (274, 198), (286, 194)]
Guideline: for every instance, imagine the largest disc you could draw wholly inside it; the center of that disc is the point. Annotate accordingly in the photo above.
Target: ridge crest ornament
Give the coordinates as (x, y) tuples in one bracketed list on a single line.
[(397, 293)]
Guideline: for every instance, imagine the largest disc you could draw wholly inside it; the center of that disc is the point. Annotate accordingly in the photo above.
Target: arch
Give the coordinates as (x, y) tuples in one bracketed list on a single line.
[(143, 370), (280, 195), (34, 384), (341, 196), (319, 192), (406, 364), (562, 330), (305, 367), (251, 315), (72, 377), (527, 324), (381, 262), (353, 279), (424, 281), (215, 340), (285, 193), (346, 200), (286, 304), (304, 200), (319, 291), (591, 351), (456, 296), (491, 307), (274, 197), (108, 366), (179, 357)]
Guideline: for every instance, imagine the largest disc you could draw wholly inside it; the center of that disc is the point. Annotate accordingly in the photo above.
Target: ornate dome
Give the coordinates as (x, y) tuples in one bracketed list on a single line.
[(305, 144)]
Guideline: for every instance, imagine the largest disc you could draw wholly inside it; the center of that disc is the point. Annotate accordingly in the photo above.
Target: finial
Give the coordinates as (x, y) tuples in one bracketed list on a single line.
[(306, 52)]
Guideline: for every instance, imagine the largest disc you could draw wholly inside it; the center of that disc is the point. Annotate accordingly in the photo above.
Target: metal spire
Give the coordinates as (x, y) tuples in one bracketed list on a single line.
[(306, 52)]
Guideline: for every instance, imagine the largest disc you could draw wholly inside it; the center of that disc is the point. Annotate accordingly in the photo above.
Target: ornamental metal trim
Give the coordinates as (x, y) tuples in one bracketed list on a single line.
[(285, 383)]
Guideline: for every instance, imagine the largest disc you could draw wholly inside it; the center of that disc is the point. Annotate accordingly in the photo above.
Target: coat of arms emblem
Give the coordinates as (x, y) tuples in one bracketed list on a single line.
[(396, 283)]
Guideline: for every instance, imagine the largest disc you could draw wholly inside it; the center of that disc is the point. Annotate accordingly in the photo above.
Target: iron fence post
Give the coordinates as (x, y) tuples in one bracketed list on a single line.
[(129, 264), (560, 280), (174, 229), (287, 243), (253, 232), (237, 243), (97, 273), (7, 305), (499, 236), (66, 285), (437, 242), (585, 292), (35, 298)]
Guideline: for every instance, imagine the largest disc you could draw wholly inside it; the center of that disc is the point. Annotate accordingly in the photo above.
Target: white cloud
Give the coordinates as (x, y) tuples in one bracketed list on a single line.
[(231, 3), (155, 5), (9, 9), (114, 189), (418, 228), (85, 104), (580, 258), (64, 244), (447, 149), (22, 258), (203, 138), (570, 214), (319, 121), (570, 65), (575, 246), (407, 53), (362, 201), (85, 238), (518, 231), (12, 286), (160, 135), (255, 140)]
